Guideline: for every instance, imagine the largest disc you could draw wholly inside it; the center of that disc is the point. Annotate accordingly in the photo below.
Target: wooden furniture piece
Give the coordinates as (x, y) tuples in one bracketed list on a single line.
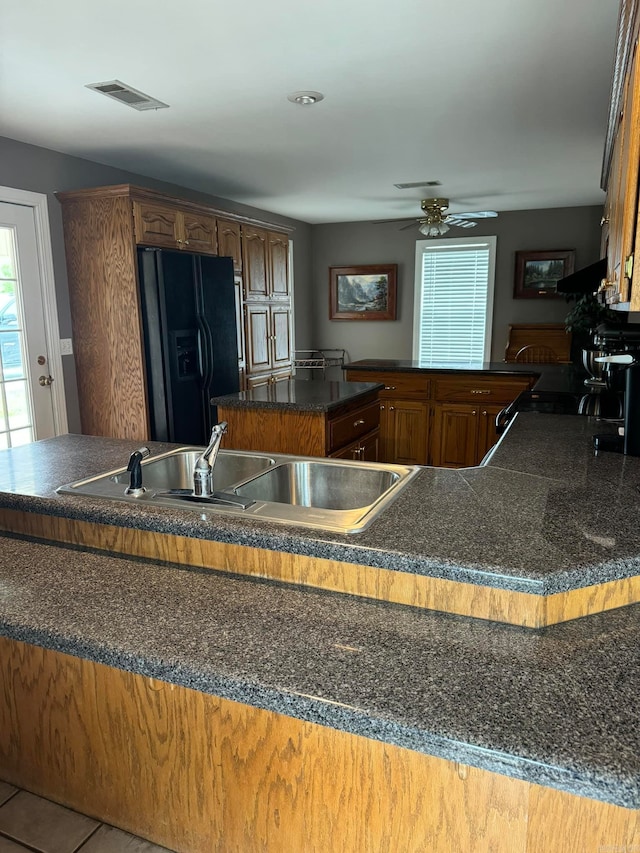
[(103, 227), (196, 772), (532, 354), (621, 220), (347, 430), (444, 419), (549, 336)]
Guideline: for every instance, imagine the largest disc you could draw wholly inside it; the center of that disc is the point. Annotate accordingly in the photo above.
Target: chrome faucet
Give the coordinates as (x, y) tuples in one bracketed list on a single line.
[(203, 470)]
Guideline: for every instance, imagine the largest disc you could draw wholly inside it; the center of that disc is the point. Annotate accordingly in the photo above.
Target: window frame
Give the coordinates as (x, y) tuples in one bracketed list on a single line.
[(421, 245)]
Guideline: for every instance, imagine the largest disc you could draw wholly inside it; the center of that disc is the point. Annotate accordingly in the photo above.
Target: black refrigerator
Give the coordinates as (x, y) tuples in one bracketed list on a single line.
[(190, 340)]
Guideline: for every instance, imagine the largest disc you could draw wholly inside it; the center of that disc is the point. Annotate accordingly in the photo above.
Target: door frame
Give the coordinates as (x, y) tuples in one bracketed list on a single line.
[(38, 203)]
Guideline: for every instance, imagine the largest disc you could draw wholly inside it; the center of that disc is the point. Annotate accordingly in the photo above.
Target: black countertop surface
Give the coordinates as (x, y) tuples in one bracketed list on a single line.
[(312, 395)]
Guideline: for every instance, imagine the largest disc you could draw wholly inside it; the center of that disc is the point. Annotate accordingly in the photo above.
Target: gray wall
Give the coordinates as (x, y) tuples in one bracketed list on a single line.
[(28, 167), (355, 243)]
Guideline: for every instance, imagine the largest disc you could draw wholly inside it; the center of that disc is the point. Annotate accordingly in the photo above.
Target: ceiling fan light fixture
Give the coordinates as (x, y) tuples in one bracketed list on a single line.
[(433, 229)]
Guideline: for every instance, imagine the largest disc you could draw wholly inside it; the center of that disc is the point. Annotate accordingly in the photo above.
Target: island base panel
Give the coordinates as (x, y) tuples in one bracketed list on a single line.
[(198, 773)]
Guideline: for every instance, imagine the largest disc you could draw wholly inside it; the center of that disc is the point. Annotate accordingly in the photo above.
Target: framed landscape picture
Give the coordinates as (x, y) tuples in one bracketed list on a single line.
[(363, 293), (538, 273)]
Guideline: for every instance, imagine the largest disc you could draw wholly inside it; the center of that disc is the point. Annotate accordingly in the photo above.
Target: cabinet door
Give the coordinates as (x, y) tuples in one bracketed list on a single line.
[(257, 338), (199, 233), (365, 449), (229, 245), (254, 262), (404, 429), (278, 265), (156, 225), (487, 435), (455, 435), (280, 336)]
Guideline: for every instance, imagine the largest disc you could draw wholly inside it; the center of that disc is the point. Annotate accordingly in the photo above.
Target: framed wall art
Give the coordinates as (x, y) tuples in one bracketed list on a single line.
[(538, 273), (363, 293)]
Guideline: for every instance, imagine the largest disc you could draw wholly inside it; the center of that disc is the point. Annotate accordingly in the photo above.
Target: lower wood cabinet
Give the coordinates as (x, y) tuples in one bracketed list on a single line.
[(462, 434), (404, 428), (443, 419), (365, 449)]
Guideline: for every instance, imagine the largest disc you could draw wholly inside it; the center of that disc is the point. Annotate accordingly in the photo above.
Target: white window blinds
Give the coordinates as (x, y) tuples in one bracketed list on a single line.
[(454, 300)]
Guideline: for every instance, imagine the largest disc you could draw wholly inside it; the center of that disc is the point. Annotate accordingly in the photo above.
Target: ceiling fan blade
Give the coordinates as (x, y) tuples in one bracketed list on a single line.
[(384, 221), (477, 214), (410, 225), (461, 223)]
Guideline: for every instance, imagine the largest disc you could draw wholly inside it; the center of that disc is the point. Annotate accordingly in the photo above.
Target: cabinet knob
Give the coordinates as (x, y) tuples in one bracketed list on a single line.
[(484, 414), (186, 242), (474, 412), (382, 408), (358, 422), (392, 408)]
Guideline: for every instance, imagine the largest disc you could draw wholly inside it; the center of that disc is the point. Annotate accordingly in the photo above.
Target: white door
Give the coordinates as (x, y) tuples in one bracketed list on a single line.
[(27, 406)]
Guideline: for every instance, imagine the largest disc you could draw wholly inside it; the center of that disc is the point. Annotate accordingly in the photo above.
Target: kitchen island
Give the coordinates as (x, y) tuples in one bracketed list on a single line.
[(319, 418), (284, 718)]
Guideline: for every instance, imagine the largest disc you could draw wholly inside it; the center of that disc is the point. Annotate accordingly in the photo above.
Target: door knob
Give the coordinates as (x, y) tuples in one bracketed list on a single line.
[(45, 380)]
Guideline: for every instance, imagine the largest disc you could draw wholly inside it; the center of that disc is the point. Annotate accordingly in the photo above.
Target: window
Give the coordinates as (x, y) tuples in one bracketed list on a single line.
[(453, 303)]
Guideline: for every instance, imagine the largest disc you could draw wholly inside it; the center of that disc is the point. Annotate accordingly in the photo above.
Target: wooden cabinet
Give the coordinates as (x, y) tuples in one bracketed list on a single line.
[(229, 242), (266, 264), (404, 428), (268, 341), (169, 227), (462, 434), (268, 320), (621, 221), (350, 431), (444, 419), (102, 227)]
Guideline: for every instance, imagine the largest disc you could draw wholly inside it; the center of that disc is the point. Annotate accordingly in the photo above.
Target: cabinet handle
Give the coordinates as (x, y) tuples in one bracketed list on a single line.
[(392, 408), (389, 387), (484, 414), (358, 423), (488, 391), (186, 242), (179, 242), (474, 412), (382, 408)]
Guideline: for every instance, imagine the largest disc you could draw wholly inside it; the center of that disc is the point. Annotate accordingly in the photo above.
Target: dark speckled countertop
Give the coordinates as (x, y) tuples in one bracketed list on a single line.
[(317, 395), (556, 706), (544, 515)]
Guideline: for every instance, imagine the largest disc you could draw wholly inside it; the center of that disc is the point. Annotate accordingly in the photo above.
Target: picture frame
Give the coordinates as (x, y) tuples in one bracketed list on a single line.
[(366, 292), (537, 273)]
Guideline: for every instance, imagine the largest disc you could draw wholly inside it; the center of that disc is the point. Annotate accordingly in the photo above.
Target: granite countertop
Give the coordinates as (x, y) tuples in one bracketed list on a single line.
[(557, 707), (544, 515), (551, 377), (316, 395)]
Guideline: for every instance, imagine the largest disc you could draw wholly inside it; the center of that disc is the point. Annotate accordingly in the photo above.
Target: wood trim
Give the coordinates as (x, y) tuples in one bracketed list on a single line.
[(463, 599), (144, 194), (197, 773)]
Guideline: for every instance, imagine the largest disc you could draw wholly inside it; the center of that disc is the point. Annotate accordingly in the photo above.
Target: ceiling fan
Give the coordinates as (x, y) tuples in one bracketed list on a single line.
[(436, 221)]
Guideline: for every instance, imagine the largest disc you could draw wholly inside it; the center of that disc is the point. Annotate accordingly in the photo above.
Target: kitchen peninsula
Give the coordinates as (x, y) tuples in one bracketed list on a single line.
[(256, 715)]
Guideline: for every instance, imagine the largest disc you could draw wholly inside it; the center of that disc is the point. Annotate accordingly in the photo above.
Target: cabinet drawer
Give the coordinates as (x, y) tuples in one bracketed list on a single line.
[(364, 449), (395, 384), (349, 427), (479, 389)]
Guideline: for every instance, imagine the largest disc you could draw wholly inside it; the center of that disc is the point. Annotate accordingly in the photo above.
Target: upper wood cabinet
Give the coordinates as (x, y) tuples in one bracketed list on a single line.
[(265, 258), (229, 244), (169, 227), (620, 221)]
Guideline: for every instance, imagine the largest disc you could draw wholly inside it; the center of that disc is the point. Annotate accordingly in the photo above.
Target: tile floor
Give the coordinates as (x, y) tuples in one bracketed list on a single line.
[(29, 824)]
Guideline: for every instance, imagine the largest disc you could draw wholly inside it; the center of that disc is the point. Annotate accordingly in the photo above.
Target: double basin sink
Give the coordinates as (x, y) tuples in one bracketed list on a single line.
[(329, 494)]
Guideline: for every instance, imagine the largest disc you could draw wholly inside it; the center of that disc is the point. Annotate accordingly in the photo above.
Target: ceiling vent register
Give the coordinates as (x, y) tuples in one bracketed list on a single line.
[(127, 95)]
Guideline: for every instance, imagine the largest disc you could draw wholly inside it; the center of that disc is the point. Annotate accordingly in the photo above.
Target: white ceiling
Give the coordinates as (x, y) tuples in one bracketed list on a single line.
[(503, 101)]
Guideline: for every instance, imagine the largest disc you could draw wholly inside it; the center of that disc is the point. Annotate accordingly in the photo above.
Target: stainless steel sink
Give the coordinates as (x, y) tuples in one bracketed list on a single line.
[(329, 494), (321, 485)]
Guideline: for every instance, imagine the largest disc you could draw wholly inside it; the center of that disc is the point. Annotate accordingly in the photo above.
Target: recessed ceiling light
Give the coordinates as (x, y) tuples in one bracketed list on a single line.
[(305, 99)]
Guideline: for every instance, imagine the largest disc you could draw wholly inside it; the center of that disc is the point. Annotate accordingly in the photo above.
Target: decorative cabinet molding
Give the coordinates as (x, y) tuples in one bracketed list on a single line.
[(102, 227)]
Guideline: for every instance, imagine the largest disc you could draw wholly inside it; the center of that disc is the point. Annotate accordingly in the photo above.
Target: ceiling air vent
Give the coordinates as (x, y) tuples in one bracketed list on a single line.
[(127, 95)]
